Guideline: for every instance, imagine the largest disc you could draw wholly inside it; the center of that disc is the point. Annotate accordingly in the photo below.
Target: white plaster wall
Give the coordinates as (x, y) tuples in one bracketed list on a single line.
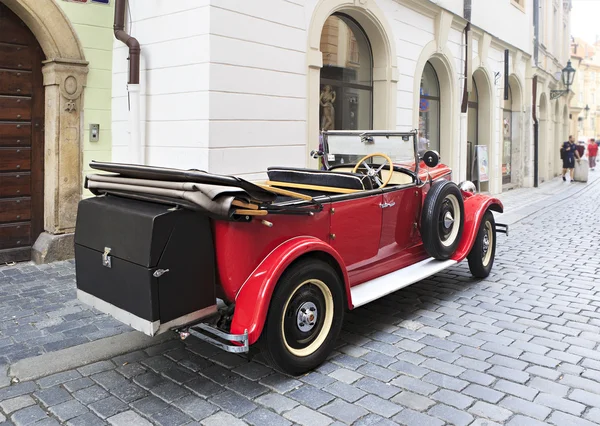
[(225, 81), (504, 21), (257, 86), (412, 32), (454, 6), (175, 81)]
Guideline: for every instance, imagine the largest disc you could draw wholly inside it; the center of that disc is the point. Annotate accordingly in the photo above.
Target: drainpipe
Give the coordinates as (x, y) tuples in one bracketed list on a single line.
[(136, 153), (464, 116), (535, 134)]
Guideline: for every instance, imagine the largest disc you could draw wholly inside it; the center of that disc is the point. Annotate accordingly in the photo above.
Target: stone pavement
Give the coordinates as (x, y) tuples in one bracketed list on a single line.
[(39, 312), (519, 348)]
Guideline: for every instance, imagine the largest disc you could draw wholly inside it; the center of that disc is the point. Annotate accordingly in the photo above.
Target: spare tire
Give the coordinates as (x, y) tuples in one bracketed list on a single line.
[(442, 219)]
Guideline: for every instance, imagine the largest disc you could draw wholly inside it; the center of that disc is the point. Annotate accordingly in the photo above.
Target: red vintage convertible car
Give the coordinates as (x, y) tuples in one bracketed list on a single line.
[(278, 262)]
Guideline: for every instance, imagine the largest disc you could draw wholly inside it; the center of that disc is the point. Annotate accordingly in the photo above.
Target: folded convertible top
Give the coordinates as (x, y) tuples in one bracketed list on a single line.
[(179, 175), (218, 196)]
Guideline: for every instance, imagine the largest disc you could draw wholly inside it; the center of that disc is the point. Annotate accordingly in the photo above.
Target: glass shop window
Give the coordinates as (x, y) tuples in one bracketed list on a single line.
[(429, 111), (346, 100)]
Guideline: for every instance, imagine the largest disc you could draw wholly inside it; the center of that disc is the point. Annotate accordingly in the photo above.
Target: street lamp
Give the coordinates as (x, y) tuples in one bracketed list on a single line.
[(568, 76), (587, 111)]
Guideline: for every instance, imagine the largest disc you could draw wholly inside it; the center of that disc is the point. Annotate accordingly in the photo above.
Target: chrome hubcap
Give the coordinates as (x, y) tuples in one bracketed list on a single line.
[(448, 220), (307, 316), (486, 244)]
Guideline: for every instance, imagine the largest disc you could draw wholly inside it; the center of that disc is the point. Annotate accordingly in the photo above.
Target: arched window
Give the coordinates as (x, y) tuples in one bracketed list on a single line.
[(429, 110), (473, 130), (346, 100), (507, 121)]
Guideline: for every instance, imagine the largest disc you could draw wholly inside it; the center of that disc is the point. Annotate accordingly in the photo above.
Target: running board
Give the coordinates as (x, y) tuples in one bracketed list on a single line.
[(394, 281)]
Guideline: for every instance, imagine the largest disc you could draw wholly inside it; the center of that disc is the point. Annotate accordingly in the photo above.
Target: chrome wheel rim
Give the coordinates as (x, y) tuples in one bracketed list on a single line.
[(449, 220), (486, 246), (307, 318)]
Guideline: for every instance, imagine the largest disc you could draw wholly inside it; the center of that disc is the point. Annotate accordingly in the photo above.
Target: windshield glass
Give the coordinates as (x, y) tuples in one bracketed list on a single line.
[(349, 148)]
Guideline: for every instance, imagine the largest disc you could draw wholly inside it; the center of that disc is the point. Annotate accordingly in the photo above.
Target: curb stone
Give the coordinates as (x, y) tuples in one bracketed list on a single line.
[(78, 356)]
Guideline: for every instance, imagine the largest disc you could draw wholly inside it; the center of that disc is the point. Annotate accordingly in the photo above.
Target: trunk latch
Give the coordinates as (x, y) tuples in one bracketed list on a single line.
[(106, 260), (159, 272)]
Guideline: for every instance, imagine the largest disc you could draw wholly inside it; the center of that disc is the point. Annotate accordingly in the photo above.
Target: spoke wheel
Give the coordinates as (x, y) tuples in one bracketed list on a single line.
[(481, 257), (305, 317)]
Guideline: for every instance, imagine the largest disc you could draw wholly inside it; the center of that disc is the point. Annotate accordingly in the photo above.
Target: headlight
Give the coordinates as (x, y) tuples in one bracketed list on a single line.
[(468, 186)]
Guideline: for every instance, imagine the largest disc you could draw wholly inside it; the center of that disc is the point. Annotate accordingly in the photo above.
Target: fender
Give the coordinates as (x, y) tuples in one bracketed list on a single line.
[(475, 207), (254, 297)]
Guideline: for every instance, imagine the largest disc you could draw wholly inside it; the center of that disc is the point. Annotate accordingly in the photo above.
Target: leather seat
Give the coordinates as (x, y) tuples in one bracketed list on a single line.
[(327, 178)]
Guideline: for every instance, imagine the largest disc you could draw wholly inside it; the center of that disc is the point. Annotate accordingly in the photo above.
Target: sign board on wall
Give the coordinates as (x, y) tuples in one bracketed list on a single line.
[(483, 165)]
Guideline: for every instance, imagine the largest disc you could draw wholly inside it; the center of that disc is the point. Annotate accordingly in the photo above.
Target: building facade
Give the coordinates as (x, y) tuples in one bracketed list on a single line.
[(233, 87), (55, 63), (584, 107), (551, 52)]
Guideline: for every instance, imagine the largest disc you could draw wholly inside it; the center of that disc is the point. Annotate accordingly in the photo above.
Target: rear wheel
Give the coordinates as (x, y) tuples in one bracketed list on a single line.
[(304, 319), (481, 257)]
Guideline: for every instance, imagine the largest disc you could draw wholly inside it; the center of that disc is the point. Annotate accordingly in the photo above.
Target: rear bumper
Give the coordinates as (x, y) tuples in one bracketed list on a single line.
[(150, 328), (502, 228), (218, 338)]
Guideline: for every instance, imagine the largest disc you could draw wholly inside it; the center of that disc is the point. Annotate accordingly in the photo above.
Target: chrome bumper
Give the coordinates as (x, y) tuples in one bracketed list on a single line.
[(216, 337), (503, 228)]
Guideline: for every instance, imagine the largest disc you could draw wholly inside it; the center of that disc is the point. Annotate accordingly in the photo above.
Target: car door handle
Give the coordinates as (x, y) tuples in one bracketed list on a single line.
[(386, 205)]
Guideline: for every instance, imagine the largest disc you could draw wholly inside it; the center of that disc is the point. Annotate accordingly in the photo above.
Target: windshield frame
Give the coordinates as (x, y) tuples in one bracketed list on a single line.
[(365, 134)]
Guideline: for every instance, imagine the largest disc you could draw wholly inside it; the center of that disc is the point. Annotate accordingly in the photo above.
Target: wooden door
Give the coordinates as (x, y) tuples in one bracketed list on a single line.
[(21, 139)]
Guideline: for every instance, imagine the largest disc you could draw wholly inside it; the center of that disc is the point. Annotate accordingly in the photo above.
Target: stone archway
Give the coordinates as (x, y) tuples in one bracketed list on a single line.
[(372, 20), (442, 64), (64, 73), (543, 139), (554, 153), (565, 130), (518, 145), (485, 117)]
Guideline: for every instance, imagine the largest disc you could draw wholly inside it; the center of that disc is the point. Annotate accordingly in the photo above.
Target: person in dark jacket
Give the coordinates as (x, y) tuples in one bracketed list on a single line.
[(569, 154)]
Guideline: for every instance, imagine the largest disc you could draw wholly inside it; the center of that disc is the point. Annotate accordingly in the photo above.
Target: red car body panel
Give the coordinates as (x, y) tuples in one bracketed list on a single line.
[(241, 247), (364, 239), (254, 297), (475, 208)]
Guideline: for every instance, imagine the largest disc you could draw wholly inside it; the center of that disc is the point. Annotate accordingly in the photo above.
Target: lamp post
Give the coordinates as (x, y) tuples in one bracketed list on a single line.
[(568, 76), (587, 111)]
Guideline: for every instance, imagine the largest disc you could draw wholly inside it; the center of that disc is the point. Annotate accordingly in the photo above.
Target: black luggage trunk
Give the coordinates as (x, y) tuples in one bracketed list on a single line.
[(153, 262)]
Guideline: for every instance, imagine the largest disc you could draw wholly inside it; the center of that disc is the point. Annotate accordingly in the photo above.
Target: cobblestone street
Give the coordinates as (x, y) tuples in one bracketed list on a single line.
[(519, 348)]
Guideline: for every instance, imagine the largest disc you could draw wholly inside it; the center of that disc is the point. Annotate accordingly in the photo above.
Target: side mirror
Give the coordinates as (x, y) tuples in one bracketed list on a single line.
[(316, 154), (431, 158)]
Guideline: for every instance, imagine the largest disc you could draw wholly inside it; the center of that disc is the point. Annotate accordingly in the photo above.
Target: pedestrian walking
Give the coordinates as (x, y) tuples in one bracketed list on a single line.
[(592, 152), (569, 153)]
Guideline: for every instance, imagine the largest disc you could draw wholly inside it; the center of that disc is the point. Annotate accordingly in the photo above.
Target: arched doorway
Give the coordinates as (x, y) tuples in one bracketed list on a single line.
[(346, 90), (543, 139), (507, 138), (554, 153), (21, 138), (429, 110), (519, 152), (488, 174), (472, 132), (64, 77), (565, 131), (434, 111), (373, 23)]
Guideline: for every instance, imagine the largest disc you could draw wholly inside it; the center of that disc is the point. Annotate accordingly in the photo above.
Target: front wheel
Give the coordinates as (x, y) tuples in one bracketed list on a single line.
[(304, 319), (481, 257)]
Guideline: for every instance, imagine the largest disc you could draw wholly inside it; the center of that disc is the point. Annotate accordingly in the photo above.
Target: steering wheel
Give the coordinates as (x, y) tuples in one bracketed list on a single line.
[(373, 172)]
